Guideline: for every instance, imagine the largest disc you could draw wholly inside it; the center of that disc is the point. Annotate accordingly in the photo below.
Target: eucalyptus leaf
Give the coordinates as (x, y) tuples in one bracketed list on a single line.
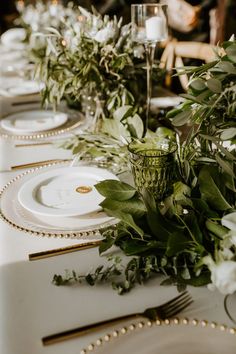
[(225, 165), (182, 118), (231, 52), (115, 129), (210, 192), (177, 242), (133, 206), (228, 134), (198, 85), (137, 126), (122, 112), (115, 190), (125, 218), (193, 225), (214, 85), (227, 67)]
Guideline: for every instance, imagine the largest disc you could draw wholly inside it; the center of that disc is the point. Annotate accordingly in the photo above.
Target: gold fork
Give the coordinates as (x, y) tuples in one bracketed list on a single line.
[(167, 310)]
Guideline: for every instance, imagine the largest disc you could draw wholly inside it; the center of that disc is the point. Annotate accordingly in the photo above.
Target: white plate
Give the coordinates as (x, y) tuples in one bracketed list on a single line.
[(61, 193), (33, 121), (169, 339), (26, 87), (13, 38), (12, 212)]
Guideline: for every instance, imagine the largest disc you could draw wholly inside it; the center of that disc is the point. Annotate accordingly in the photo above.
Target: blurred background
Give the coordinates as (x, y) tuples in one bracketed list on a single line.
[(211, 21)]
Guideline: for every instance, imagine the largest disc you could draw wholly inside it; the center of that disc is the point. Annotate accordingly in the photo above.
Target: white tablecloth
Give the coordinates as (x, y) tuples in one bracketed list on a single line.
[(32, 307)]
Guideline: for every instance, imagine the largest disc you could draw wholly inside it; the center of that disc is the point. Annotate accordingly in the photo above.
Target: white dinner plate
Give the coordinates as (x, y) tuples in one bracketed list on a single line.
[(33, 121), (64, 192), (13, 38), (14, 214), (168, 339)]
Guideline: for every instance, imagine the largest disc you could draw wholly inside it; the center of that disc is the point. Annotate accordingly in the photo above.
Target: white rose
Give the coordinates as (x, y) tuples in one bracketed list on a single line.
[(71, 40), (229, 221), (139, 51), (223, 276), (77, 28), (104, 34)]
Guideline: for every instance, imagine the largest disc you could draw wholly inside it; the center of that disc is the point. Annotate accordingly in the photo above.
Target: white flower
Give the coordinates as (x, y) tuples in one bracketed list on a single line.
[(229, 221), (139, 51), (223, 276), (103, 35)]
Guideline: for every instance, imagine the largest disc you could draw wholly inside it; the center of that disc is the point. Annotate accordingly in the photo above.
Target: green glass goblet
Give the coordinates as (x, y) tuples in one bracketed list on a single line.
[(153, 168)]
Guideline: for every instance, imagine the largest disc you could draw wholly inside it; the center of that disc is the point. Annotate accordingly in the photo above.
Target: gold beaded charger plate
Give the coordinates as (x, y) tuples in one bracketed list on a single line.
[(13, 213), (167, 337), (72, 122), (33, 121)]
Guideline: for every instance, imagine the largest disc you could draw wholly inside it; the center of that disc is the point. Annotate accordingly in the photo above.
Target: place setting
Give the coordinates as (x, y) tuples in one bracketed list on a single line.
[(119, 233), (39, 124), (57, 200)]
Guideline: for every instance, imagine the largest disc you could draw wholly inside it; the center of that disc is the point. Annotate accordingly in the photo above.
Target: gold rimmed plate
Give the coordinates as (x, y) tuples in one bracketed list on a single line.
[(176, 336), (74, 121), (13, 213)]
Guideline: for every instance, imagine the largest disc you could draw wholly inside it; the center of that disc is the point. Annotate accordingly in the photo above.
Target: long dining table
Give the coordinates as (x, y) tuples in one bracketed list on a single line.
[(32, 307)]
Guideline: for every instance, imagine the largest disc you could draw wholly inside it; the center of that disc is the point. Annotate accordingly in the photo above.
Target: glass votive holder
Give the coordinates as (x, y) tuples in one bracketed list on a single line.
[(153, 166)]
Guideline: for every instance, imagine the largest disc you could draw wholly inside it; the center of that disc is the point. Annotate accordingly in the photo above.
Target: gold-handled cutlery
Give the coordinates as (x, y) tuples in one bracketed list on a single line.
[(33, 144), (38, 163), (63, 250), (167, 310)]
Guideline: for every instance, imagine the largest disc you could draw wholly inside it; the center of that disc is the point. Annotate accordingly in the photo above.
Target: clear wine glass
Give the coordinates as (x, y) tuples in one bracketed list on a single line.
[(149, 26)]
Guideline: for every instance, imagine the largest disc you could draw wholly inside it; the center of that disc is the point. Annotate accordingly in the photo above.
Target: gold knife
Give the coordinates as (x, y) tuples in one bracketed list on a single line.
[(38, 163), (34, 144), (63, 250)]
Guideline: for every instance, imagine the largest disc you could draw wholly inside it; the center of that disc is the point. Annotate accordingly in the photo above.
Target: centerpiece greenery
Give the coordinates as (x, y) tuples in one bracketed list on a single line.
[(94, 62), (190, 236)]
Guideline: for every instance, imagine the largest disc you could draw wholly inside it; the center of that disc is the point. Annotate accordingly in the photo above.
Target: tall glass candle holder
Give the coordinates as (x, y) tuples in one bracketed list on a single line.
[(149, 26)]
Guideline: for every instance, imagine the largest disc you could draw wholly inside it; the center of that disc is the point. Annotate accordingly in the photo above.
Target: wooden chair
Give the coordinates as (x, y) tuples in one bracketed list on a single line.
[(175, 52)]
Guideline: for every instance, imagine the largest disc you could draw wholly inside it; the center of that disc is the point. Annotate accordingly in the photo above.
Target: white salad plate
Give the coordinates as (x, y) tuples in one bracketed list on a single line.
[(26, 87), (14, 38), (64, 192), (179, 337), (14, 214), (33, 121)]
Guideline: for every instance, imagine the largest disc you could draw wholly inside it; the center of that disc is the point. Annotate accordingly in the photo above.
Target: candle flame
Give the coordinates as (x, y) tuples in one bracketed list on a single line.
[(63, 42)]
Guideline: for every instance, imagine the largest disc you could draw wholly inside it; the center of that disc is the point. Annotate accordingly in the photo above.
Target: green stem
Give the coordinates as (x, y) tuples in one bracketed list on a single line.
[(216, 229)]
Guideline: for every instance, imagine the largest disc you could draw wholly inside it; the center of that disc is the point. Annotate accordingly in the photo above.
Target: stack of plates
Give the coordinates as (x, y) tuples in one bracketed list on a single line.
[(58, 201)]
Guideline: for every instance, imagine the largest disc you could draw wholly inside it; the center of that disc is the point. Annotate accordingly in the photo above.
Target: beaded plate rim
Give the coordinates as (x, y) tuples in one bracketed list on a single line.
[(93, 232), (46, 134), (131, 327)]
